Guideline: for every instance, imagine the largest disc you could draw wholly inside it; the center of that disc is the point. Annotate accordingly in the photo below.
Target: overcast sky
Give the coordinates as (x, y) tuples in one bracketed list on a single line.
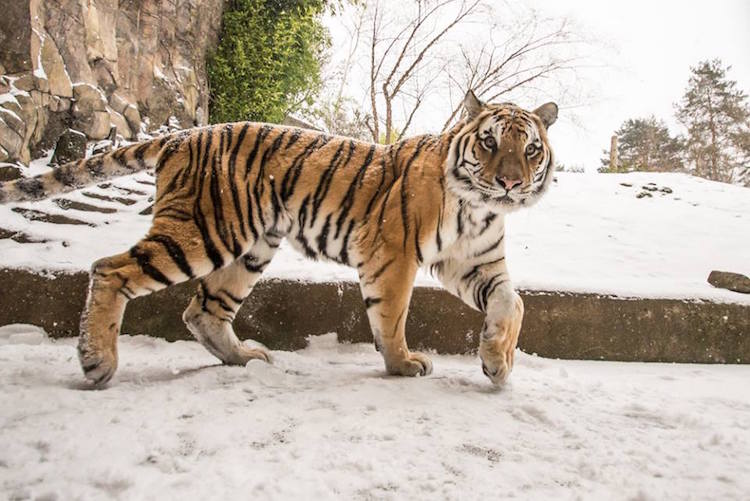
[(641, 53), (649, 45)]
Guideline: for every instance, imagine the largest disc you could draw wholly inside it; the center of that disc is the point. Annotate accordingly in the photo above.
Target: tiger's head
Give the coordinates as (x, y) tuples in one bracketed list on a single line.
[(501, 157)]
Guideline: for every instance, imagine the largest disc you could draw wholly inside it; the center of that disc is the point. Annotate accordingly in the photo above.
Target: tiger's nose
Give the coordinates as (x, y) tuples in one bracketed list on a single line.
[(507, 183)]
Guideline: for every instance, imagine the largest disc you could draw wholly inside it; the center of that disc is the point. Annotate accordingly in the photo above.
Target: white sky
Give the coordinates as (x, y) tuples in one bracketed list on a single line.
[(652, 44), (641, 54)]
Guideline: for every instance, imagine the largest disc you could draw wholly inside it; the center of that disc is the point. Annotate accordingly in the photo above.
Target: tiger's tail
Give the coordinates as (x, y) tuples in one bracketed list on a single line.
[(75, 175)]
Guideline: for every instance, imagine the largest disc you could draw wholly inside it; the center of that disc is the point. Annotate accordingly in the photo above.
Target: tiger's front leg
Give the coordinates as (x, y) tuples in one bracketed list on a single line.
[(499, 337), (484, 284), (386, 284)]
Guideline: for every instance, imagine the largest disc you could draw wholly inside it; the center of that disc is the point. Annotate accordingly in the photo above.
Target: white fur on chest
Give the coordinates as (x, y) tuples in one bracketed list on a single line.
[(466, 233)]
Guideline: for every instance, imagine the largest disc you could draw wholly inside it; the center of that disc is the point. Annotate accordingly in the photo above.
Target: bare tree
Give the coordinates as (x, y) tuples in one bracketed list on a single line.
[(529, 53), (396, 59), (405, 55), (335, 110)]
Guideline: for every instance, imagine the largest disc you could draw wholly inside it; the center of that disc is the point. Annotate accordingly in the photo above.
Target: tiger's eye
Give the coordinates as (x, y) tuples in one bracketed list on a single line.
[(490, 143), (531, 150)]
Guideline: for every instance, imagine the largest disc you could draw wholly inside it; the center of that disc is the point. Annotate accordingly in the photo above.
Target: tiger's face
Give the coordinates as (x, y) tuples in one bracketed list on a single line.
[(501, 158)]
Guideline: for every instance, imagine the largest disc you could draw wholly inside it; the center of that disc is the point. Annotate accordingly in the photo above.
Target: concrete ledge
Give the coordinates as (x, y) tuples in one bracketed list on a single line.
[(281, 314)]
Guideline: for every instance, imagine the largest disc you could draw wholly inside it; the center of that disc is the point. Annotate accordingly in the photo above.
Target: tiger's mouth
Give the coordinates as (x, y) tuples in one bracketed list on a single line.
[(498, 195), (507, 200)]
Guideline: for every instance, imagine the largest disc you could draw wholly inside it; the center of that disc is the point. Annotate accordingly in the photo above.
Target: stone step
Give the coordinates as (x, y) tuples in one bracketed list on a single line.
[(37, 215), (20, 237), (107, 198), (66, 204)]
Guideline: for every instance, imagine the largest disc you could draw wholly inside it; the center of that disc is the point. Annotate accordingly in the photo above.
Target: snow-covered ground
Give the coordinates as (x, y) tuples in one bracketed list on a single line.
[(326, 422), (589, 234)]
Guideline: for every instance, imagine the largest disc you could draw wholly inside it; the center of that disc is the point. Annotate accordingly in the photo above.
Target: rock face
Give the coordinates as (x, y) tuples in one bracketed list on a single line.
[(96, 64)]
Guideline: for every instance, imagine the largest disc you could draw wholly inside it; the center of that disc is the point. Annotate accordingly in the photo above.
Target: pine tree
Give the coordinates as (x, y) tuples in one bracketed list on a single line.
[(717, 118), (645, 144)]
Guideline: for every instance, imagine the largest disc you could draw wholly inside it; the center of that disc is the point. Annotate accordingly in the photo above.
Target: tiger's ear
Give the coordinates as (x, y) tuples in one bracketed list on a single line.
[(547, 113), (472, 104)]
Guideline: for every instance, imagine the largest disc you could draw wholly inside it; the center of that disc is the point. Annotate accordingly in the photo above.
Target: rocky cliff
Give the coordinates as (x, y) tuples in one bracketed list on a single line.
[(105, 68)]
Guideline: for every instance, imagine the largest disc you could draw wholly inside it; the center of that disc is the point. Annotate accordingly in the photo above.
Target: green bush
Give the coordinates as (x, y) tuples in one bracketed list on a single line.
[(268, 60)]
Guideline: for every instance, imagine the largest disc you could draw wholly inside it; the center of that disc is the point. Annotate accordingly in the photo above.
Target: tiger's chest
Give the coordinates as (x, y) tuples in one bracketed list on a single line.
[(463, 232)]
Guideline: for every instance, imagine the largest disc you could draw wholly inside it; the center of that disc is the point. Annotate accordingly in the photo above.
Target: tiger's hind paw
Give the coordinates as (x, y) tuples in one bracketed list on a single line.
[(98, 366), (245, 354), (415, 364)]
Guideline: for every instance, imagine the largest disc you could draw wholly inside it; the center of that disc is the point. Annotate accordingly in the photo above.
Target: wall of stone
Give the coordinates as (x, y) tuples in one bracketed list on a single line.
[(92, 65), (282, 313)]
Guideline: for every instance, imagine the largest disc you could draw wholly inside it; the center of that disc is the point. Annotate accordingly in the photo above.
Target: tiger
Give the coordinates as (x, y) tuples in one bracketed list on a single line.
[(228, 194)]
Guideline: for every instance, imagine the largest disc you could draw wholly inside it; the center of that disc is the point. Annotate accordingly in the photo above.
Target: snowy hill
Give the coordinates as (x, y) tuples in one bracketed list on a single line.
[(635, 235)]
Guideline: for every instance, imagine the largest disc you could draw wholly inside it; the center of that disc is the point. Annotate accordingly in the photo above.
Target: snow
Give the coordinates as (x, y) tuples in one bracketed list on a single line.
[(40, 165), (326, 422), (13, 91), (39, 70), (11, 113), (588, 234)]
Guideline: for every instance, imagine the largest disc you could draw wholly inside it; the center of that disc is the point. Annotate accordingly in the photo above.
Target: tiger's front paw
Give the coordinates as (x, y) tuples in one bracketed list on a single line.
[(415, 364), (497, 366), (98, 365)]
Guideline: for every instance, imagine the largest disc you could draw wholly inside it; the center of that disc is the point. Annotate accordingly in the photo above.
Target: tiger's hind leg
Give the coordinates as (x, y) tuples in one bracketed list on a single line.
[(152, 264), (210, 313)]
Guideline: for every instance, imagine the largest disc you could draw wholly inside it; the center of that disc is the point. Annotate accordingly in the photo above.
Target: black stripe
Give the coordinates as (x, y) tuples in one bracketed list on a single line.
[(491, 247), (233, 182), (259, 186), (380, 186), (65, 175), (138, 154), (175, 252), (233, 298), (475, 269), (325, 182), (487, 222), (252, 264), (259, 137), (380, 270), (31, 186), (292, 174), (372, 301), (293, 138), (143, 258), (405, 188), (200, 219), (275, 203), (207, 296), (218, 206), (348, 202), (323, 236), (95, 166), (301, 222), (438, 236), (417, 248), (344, 254), (167, 152)]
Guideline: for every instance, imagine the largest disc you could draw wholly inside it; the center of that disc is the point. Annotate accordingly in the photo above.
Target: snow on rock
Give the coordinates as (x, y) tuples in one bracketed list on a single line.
[(22, 334), (591, 233), (326, 422)]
